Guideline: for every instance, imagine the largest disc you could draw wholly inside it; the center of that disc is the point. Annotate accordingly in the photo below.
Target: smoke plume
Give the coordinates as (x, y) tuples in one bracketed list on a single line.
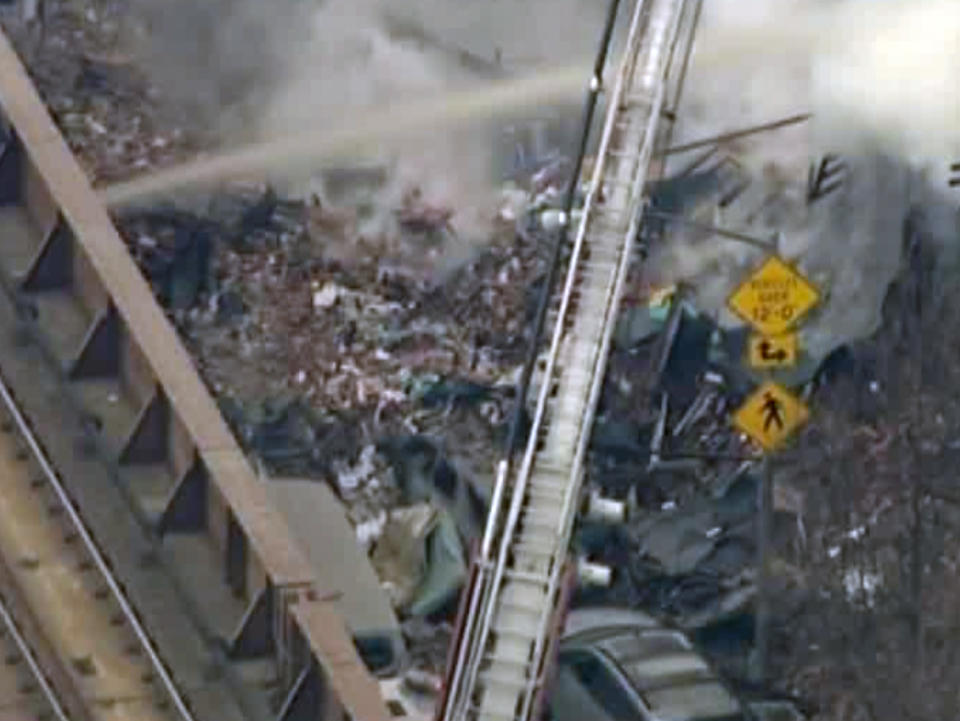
[(260, 71), (879, 77)]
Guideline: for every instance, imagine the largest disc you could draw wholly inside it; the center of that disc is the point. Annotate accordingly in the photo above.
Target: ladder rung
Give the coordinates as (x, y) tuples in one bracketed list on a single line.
[(605, 215), (622, 155), (511, 681), (635, 99), (546, 493), (614, 227), (526, 577), (538, 512), (596, 260), (541, 507), (501, 660), (535, 549), (544, 467), (516, 632), (506, 603), (487, 713), (538, 523), (617, 183)]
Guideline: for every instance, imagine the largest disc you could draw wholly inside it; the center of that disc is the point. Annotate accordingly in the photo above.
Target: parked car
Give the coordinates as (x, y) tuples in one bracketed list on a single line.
[(622, 665)]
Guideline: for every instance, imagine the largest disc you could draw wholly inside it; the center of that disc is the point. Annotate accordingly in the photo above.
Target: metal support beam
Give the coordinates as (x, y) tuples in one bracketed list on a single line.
[(253, 637), (11, 164), (304, 698), (52, 266), (824, 178), (147, 442), (553, 646), (186, 507), (235, 557), (761, 634), (766, 245), (99, 355), (737, 134)]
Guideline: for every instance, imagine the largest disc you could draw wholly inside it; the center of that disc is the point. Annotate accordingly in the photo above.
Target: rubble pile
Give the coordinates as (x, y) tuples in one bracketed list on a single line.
[(268, 316), (369, 360), (113, 120)]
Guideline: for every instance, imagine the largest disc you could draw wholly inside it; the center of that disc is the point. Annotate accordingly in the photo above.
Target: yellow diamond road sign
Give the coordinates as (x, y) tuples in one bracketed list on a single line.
[(774, 297), (771, 415), (773, 351)]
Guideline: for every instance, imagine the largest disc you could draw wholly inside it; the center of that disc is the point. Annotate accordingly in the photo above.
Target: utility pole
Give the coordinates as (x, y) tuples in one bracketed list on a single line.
[(761, 634), (773, 299)]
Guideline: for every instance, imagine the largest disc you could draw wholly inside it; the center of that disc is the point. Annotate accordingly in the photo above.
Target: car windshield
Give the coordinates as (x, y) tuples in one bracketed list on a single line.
[(588, 689)]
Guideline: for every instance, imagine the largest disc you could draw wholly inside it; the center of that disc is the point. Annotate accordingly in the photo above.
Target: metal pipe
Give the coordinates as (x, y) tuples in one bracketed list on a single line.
[(708, 228), (594, 574), (674, 102), (698, 161), (681, 81), (762, 615), (606, 510), (734, 135)]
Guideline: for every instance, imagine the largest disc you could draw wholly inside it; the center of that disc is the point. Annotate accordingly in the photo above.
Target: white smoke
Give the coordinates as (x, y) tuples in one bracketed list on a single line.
[(352, 68), (267, 71), (886, 74), (879, 77)]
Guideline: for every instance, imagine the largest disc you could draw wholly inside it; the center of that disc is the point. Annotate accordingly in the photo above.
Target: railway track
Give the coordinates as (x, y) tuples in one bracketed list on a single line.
[(25, 690), (98, 657), (235, 607)]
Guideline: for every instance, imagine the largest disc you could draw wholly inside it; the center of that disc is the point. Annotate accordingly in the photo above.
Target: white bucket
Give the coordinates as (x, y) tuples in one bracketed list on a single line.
[(594, 574), (606, 510)]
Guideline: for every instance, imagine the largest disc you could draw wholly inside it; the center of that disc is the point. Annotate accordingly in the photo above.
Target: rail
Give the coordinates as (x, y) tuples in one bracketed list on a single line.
[(24, 647), (91, 546)]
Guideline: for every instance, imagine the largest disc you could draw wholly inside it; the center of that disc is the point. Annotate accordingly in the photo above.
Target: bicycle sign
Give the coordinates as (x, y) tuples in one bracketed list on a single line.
[(774, 297)]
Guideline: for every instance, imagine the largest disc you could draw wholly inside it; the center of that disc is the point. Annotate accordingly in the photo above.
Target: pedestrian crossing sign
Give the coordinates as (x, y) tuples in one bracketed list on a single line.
[(771, 415)]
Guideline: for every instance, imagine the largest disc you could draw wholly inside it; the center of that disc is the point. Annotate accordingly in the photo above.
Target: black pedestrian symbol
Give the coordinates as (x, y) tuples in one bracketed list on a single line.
[(779, 355), (772, 412)]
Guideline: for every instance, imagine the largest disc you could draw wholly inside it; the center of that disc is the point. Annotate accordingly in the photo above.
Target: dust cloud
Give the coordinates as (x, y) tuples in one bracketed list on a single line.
[(879, 76), (336, 79)]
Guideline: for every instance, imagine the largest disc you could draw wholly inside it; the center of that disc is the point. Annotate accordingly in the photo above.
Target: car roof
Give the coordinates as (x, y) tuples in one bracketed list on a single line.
[(595, 619), (664, 668)]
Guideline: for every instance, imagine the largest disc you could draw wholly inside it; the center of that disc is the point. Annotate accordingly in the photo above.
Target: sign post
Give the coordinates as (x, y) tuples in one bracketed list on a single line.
[(773, 300)]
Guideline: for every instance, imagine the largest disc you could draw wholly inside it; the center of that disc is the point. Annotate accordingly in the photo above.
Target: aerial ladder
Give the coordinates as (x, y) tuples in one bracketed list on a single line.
[(501, 652)]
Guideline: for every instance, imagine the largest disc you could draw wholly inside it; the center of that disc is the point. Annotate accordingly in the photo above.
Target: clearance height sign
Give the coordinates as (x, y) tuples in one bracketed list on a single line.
[(773, 298)]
